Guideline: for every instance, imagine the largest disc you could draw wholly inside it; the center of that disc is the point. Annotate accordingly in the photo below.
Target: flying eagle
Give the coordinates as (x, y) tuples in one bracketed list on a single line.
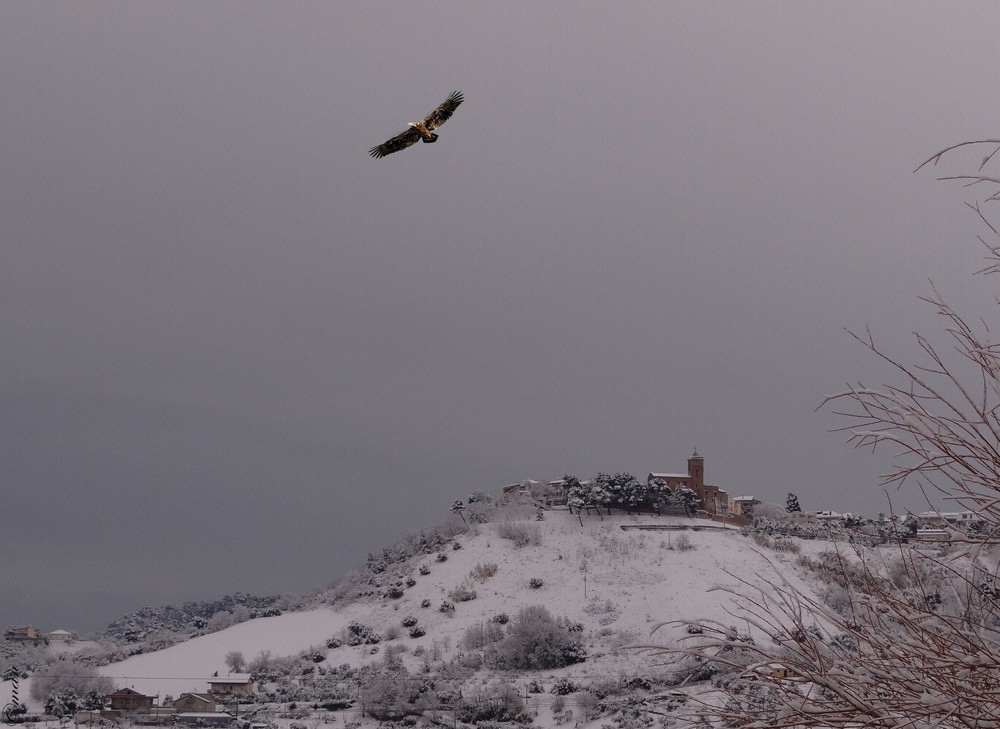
[(423, 129)]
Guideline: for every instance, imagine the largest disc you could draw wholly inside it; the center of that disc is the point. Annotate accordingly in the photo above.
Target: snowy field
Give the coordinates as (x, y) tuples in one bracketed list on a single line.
[(624, 582), (619, 584)]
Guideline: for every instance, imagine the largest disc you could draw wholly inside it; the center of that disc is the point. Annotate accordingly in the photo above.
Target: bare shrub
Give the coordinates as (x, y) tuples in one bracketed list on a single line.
[(498, 701), (481, 635), (522, 534), (462, 593), (588, 704), (786, 545), (483, 572), (682, 543)]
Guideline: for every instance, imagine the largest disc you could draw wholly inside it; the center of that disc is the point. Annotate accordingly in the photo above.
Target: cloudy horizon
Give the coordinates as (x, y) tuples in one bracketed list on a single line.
[(239, 353)]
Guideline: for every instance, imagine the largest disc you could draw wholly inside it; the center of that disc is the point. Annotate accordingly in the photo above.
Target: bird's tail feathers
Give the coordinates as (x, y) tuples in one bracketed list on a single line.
[(429, 140)]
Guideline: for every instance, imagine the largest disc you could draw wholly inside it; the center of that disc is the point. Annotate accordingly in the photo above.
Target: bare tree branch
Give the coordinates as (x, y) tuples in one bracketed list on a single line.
[(913, 639)]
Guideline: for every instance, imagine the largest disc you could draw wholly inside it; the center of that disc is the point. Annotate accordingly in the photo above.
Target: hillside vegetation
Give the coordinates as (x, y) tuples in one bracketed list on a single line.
[(500, 613)]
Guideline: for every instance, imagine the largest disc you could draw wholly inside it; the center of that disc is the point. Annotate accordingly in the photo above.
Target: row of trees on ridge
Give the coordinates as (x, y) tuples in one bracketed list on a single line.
[(625, 491)]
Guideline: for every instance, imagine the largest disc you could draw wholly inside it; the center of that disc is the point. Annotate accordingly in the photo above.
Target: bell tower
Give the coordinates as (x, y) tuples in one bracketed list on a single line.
[(696, 470)]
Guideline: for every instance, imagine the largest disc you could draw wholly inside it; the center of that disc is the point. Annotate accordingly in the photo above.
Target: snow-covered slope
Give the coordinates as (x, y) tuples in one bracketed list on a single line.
[(619, 584)]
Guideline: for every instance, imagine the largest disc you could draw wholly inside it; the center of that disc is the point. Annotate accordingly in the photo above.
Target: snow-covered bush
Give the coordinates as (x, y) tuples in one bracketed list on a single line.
[(361, 634), (535, 640), (535, 583), (562, 716), (563, 687), (462, 593), (498, 701), (682, 542)]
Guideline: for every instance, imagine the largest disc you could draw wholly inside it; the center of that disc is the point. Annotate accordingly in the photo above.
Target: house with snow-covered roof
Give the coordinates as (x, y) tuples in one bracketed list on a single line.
[(745, 504), (188, 703), (947, 518), (128, 700), (238, 684)]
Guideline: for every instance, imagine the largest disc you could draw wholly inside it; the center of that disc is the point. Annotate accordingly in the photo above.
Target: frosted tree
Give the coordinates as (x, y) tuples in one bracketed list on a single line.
[(459, 508), (586, 496), (609, 485), (598, 496), (687, 499), (61, 703), (629, 491), (792, 503), (921, 650), (93, 700), (235, 661), (657, 493)]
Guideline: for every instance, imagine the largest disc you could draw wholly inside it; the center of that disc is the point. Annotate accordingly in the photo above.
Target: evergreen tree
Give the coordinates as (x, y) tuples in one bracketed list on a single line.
[(792, 503), (657, 493), (61, 703), (571, 487), (688, 499), (607, 484), (597, 496), (630, 491), (93, 700)]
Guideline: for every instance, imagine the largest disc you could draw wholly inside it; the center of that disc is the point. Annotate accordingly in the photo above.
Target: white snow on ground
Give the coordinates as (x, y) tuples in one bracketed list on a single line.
[(635, 580)]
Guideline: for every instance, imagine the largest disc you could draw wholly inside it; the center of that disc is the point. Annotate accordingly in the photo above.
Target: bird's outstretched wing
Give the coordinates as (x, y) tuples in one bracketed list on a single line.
[(400, 141), (444, 111)]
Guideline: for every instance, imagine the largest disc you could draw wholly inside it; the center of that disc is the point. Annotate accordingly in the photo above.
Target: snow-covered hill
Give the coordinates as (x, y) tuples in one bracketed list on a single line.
[(618, 583)]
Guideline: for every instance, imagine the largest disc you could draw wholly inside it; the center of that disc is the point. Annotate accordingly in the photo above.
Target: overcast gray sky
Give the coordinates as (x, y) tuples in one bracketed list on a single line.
[(238, 353)]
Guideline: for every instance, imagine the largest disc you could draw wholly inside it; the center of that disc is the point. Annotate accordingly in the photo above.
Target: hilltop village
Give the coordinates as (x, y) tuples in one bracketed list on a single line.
[(689, 494)]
